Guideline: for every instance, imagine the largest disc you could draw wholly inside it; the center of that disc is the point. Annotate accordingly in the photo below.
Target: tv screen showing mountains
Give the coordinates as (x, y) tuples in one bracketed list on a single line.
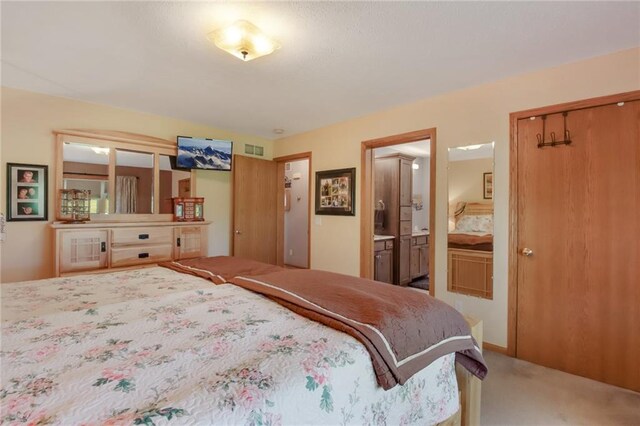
[(210, 154)]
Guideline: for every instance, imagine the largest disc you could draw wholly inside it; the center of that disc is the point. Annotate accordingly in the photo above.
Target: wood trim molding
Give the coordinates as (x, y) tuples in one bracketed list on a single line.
[(512, 296), (280, 208), (118, 136), (366, 197), (293, 157), (432, 213), (581, 104), (494, 348)]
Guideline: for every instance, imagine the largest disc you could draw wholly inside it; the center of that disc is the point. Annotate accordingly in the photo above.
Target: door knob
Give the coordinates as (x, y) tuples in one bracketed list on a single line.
[(238, 232), (527, 252)]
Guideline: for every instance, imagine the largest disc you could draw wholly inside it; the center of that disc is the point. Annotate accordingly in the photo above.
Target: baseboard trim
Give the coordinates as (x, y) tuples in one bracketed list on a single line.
[(495, 348)]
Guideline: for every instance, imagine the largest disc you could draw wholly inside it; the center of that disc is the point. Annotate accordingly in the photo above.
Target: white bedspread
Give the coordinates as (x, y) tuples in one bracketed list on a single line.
[(153, 346)]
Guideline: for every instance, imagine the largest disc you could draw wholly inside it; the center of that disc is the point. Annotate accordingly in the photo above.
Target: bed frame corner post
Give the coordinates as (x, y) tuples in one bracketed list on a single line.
[(469, 385)]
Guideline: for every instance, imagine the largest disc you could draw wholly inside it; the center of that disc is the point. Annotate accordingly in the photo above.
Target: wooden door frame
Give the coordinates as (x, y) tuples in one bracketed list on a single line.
[(366, 197), (512, 296), (280, 208)]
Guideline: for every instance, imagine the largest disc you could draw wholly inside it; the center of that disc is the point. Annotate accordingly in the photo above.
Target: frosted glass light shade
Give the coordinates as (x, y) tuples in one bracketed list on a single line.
[(243, 40)]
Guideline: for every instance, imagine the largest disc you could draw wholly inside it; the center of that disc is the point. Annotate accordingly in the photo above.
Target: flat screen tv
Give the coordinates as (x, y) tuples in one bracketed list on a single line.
[(208, 154)]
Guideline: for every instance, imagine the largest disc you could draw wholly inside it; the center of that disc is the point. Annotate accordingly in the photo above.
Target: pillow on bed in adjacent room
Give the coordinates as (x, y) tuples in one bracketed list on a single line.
[(475, 223)]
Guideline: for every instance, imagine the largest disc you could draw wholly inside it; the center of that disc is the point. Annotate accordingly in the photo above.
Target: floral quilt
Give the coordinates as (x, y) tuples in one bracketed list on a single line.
[(153, 346)]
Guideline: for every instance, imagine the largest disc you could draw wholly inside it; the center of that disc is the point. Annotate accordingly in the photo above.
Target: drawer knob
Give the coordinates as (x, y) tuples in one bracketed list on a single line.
[(143, 255), (143, 236)]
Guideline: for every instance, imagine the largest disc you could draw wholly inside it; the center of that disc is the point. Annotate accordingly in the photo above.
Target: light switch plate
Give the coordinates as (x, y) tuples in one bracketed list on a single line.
[(318, 220)]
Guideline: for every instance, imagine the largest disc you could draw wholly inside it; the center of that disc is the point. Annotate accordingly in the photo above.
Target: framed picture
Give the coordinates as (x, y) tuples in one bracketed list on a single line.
[(488, 185), (336, 192), (27, 196)]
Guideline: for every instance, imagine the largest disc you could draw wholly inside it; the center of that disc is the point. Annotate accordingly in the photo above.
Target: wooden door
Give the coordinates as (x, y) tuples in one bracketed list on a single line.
[(383, 262), (415, 261), (190, 242), (254, 209), (83, 250), (184, 188), (578, 294), (404, 260), (424, 260), (406, 180)]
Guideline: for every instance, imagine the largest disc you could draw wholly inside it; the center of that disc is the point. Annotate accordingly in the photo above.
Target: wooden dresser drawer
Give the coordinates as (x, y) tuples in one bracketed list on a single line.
[(421, 240), (378, 245), (147, 235), (388, 244), (405, 227), (138, 255)]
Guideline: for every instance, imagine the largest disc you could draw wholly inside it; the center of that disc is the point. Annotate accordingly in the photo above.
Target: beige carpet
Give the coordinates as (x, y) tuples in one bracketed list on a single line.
[(520, 393)]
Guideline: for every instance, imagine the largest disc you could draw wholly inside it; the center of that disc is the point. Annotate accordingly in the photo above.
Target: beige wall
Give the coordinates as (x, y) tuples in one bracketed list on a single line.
[(466, 180), (475, 115), (27, 121)]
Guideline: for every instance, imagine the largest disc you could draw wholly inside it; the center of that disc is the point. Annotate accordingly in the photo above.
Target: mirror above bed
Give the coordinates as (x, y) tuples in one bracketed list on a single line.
[(470, 219)]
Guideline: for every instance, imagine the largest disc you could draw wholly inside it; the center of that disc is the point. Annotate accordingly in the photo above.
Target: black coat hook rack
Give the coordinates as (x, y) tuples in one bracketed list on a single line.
[(542, 142)]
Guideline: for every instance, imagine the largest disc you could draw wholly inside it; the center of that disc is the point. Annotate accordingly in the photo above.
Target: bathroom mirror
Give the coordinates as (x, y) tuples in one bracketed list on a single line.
[(86, 167), (470, 220)]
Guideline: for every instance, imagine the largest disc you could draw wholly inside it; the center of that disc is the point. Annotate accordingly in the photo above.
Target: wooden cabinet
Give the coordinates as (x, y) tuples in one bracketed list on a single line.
[(82, 250), (102, 247), (383, 260), (419, 256), (189, 241), (404, 261), (393, 186)]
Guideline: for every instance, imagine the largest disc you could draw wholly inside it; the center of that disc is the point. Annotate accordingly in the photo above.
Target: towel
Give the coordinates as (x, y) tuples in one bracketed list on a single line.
[(378, 218)]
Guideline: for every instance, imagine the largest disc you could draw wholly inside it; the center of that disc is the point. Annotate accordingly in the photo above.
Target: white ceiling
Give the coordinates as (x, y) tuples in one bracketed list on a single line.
[(420, 149), (338, 59)]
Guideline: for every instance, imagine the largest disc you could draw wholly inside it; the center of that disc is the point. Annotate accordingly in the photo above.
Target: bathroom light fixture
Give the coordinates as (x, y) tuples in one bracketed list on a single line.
[(415, 166), (101, 151), (243, 40)]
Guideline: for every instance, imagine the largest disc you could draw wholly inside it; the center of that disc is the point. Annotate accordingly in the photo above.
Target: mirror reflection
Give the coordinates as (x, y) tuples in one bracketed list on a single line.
[(86, 167), (470, 239), (173, 183), (134, 182)]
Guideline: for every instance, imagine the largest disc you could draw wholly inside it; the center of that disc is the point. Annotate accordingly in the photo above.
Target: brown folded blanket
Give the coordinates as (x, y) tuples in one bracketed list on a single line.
[(404, 330), (220, 269)]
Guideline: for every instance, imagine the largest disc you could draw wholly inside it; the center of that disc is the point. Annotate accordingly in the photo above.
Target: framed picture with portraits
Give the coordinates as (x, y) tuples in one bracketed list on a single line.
[(27, 196), (336, 192)]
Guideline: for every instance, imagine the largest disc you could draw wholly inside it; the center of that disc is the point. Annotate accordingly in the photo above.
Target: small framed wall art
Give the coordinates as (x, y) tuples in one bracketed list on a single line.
[(336, 192), (488, 185), (27, 196)]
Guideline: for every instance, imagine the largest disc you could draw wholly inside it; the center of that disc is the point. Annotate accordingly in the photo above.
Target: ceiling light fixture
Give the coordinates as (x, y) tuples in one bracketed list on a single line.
[(243, 40), (278, 131), (415, 166)]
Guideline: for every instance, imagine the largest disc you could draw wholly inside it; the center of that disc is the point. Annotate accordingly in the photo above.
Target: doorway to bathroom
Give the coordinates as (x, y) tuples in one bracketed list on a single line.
[(397, 213)]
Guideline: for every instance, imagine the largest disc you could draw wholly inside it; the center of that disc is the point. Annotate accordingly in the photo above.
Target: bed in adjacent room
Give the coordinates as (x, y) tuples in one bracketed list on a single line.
[(156, 346)]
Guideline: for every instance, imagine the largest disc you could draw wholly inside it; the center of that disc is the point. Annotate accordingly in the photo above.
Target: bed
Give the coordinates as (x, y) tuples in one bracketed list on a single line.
[(470, 250), (157, 346)]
